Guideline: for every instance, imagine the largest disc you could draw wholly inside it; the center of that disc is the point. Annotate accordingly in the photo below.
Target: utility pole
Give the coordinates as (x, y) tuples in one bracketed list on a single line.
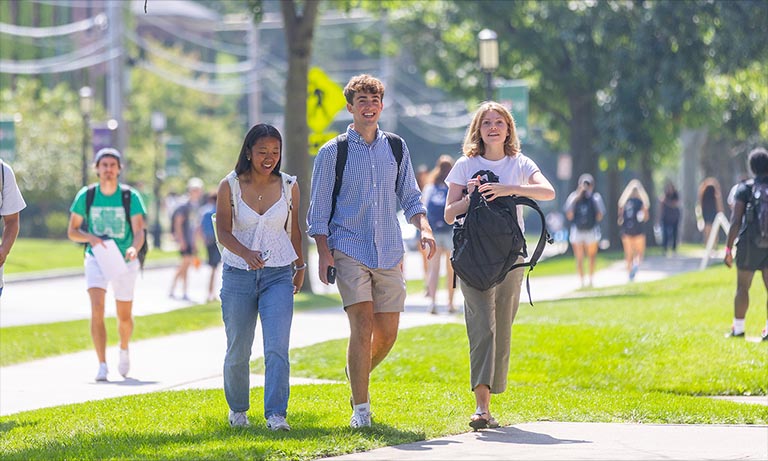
[(253, 81), (116, 71)]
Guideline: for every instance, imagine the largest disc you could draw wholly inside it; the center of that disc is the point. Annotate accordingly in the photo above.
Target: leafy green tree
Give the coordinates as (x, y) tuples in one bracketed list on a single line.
[(49, 132)]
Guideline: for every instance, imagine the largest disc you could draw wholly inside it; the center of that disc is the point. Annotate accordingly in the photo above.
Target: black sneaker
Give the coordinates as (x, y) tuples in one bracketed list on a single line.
[(731, 334), (764, 334)]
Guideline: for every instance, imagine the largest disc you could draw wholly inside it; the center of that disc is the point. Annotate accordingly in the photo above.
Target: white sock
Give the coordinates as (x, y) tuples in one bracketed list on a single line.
[(738, 326), (363, 407)]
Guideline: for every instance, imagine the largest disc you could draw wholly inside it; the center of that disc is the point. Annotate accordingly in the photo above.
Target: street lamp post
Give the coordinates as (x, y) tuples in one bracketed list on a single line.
[(158, 126), (489, 58), (86, 106)]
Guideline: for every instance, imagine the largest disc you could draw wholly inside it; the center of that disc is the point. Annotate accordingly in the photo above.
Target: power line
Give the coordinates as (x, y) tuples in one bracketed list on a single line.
[(78, 59), (100, 21), (199, 66)]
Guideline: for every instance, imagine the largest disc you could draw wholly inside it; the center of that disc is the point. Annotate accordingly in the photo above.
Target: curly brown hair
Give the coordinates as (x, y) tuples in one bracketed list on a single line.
[(363, 83)]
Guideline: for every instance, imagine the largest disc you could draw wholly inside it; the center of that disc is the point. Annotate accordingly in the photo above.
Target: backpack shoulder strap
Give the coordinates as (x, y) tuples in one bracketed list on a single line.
[(342, 149), (234, 191), (544, 238), (90, 195), (125, 190), (288, 182), (396, 143)]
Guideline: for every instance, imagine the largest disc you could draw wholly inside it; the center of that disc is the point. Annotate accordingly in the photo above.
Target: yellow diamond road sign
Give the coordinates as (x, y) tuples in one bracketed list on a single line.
[(325, 98), (316, 140)]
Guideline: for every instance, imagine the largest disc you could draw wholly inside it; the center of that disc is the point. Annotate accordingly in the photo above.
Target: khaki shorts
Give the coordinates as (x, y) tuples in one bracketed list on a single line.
[(358, 283)]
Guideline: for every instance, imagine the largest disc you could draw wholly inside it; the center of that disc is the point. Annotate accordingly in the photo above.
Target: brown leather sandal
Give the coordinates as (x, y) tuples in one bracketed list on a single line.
[(479, 421)]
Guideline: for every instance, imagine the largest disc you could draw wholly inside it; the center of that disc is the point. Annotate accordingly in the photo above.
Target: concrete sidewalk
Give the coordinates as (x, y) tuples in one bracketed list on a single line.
[(194, 360)]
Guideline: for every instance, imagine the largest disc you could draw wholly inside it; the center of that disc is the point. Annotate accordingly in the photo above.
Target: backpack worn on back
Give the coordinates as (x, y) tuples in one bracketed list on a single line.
[(436, 209), (489, 241), (234, 193), (757, 213), (629, 215), (585, 213), (125, 192), (342, 148)]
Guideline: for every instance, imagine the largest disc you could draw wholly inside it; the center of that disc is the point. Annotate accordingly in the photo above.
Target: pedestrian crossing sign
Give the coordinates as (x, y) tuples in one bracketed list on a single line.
[(325, 98)]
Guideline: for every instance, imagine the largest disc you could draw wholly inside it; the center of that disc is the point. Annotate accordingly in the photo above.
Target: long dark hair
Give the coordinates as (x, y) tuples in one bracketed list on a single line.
[(262, 130)]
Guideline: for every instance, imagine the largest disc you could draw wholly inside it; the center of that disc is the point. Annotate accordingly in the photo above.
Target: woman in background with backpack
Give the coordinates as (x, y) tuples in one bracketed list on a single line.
[(633, 213), (491, 143), (434, 195), (585, 208)]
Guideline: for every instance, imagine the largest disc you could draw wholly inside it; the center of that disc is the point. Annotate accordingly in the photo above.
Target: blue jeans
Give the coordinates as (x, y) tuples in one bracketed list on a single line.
[(246, 295)]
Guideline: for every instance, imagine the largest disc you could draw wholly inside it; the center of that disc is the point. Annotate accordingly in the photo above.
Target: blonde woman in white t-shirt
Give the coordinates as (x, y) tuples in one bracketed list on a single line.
[(263, 268), (491, 143)]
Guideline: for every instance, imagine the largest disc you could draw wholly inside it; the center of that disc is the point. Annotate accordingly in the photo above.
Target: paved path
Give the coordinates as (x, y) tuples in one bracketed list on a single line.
[(194, 360)]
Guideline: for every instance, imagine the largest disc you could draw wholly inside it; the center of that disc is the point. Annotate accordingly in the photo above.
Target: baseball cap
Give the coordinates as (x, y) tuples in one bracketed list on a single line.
[(586, 178), (195, 183), (107, 152)]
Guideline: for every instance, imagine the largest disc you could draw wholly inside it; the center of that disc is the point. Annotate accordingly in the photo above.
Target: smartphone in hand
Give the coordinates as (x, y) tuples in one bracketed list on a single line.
[(331, 274), (265, 255)]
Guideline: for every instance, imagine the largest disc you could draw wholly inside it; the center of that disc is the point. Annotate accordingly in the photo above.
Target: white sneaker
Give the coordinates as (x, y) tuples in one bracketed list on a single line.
[(360, 419), (238, 419), (102, 373), (125, 363), (277, 423)]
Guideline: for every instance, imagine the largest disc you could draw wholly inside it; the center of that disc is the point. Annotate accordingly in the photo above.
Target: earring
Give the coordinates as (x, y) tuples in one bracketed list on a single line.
[(248, 157)]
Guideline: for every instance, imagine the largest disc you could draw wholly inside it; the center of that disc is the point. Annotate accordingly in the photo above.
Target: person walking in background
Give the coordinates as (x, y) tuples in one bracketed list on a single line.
[(262, 240), (11, 203), (670, 218), (633, 213), (108, 217), (208, 236), (747, 218), (435, 193), (709, 204), (585, 208), (422, 179), (184, 222), (491, 143), (358, 235)]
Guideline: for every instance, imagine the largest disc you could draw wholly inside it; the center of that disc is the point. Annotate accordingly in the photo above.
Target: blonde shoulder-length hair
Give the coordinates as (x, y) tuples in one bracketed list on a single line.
[(473, 142)]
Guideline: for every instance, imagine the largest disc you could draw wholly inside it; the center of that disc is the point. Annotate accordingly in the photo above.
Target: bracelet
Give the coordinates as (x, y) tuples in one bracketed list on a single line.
[(727, 250), (300, 268)]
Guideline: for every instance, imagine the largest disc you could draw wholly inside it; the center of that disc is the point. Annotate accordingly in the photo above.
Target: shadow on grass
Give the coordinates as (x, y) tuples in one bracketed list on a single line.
[(208, 438)]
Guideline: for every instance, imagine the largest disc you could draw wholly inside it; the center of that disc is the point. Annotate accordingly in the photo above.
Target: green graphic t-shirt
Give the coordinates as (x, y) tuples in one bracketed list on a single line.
[(107, 217)]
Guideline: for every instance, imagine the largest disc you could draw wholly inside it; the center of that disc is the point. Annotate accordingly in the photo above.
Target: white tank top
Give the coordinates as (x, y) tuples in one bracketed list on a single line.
[(262, 232)]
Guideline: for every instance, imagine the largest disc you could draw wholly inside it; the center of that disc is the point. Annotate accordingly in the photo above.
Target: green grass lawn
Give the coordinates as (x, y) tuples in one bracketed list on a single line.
[(34, 255), (641, 353)]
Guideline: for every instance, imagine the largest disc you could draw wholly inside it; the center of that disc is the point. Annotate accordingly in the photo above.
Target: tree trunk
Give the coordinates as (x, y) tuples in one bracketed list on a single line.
[(582, 135), (299, 30), (692, 141), (646, 177)]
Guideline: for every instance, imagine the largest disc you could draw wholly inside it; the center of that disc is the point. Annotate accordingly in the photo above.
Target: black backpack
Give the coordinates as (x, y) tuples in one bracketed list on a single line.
[(489, 241), (342, 149), (757, 213), (125, 191), (585, 213)]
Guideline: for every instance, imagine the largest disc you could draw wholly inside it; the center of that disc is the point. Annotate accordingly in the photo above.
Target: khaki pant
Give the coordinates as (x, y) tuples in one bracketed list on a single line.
[(489, 315)]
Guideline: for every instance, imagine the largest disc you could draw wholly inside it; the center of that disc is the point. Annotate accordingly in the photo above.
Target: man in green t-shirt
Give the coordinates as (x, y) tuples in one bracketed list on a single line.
[(107, 220)]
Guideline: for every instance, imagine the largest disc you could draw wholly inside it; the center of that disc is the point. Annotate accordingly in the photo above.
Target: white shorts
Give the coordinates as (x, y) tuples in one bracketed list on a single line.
[(122, 286), (584, 236)]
